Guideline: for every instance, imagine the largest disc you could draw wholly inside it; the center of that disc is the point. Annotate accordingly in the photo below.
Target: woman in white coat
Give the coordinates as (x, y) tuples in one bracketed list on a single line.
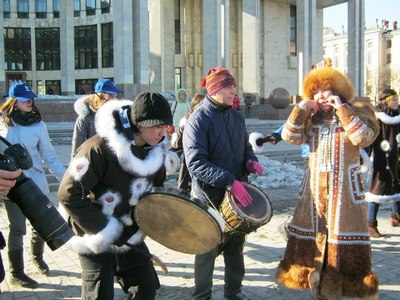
[(22, 123)]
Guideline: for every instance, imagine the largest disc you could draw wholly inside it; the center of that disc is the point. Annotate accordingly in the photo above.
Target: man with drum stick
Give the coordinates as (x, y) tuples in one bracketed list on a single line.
[(104, 182), (219, 159)]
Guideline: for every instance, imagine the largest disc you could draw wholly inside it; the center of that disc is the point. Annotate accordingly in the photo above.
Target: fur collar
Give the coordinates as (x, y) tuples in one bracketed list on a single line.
[(81, 106), (386, 119), (106, 127)]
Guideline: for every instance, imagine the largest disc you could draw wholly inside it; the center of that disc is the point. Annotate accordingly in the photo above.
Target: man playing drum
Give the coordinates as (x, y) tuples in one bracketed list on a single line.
[(219, 158)]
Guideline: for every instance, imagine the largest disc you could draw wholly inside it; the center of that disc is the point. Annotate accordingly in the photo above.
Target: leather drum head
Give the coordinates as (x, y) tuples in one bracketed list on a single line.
[(177, 223)]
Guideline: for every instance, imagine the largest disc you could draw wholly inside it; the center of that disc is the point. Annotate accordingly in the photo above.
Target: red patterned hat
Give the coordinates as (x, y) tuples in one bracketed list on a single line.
[(217, 79)]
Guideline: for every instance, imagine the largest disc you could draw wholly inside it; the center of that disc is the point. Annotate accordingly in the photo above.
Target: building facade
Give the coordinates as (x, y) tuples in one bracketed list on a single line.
[(64, 47), (381, 62)]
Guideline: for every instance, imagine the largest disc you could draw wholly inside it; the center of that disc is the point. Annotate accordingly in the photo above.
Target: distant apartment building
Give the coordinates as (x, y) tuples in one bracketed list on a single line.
[(381, 56), (64, 47)]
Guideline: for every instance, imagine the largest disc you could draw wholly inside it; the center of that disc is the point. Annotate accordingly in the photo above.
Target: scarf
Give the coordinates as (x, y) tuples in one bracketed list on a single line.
[(25, 119)]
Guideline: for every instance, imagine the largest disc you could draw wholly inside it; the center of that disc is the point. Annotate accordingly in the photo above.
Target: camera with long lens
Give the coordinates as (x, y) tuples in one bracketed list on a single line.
[(35, 205)]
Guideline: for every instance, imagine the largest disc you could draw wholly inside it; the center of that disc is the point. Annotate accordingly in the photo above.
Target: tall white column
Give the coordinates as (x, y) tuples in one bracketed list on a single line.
[(212, 35), (250, 46), (67, 47), (356, 29), (162, 45)]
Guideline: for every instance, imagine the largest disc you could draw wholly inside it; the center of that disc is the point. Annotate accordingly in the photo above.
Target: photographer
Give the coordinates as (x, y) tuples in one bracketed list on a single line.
[(7, 181), (21, 123)]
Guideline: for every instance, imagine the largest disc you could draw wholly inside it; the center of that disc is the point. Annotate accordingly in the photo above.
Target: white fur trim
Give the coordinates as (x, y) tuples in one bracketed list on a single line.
[(137, 238), (138, 187), (386, 119), (253, 137), (79, 167), (126, 220), (109, 201), (99, 242), (171, 162), (366, 161), (121, 146), (174, 138), (383, 199), (81, 106)]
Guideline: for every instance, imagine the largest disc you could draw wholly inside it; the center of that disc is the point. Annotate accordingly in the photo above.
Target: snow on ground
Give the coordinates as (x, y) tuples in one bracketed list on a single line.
[(277, 174)]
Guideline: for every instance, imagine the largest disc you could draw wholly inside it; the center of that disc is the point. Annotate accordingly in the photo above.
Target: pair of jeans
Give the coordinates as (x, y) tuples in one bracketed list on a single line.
[(374, 207), (133, 270), (232, 252)]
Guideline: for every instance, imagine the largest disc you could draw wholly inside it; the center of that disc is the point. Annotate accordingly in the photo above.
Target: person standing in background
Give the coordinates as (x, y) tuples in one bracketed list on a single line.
[(385, 184), (22, 123), (181, 107), (86, 108)]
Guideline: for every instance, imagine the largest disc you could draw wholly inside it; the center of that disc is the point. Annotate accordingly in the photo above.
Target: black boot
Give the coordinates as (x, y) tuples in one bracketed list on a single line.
[(18, 277), (37, 249)]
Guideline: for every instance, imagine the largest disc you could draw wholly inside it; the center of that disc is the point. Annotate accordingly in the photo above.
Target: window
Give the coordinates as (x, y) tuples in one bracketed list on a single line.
[(77, 8), (6, 8), (56, 8), (90, 7), (388, 58), (177, 27), (107, 55), (84, 86), (47, 48), (105, 6), (86, 47), (388, 44), (17, 49), (23, 9), (41, 9), (293, 30), (178, 78), (49, 87)]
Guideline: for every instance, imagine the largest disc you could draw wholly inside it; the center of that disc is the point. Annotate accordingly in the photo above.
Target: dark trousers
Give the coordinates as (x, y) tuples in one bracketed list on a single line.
[(234, 269), (133, 270), (374, 207)]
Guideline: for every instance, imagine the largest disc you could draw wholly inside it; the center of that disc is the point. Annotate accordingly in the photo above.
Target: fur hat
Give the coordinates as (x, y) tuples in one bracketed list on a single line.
[(150, 109), (328, 78), (217, 79)]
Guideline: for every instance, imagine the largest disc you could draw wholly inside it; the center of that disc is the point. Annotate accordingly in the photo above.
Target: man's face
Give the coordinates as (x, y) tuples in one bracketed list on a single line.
[(150, 135), (225, 95)]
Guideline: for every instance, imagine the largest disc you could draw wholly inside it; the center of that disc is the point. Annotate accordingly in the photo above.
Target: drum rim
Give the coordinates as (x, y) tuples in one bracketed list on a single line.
[(253, 221)]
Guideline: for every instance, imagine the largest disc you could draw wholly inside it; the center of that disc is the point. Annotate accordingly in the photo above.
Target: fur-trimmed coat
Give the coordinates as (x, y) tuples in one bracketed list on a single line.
[(329, 248), (104, 182), (385, 183), (84, 127)]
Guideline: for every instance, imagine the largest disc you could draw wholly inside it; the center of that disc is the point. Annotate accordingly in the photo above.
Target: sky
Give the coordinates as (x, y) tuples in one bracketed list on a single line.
[(336, 16)]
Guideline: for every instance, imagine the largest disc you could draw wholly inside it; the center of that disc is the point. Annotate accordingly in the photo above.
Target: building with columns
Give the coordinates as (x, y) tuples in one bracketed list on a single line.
[(381, 62), (63, 47)]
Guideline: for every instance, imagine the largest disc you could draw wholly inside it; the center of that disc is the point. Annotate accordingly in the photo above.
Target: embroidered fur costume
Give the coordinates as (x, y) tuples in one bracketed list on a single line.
[(328, 249)]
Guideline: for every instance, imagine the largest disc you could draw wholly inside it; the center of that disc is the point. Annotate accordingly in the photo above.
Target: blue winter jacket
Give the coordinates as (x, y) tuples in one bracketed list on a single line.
[(216, 148)]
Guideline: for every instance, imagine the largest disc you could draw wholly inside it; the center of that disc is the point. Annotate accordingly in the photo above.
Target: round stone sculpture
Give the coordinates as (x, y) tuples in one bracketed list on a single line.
[(279, 98)]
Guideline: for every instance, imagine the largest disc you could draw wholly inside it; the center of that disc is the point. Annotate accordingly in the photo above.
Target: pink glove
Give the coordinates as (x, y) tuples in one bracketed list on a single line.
[(240, 193), (254, 167)]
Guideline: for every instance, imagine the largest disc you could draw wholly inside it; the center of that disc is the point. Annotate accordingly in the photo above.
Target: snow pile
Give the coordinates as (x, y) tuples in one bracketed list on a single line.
[(277, 174)]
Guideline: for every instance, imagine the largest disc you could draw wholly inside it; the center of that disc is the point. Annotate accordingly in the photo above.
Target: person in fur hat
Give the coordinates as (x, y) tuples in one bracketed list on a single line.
[(385, 184), (86, 108), (329, 247), (102, 185)]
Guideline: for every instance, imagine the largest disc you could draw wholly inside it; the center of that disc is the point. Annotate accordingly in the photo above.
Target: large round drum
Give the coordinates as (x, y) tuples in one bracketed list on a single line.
[(244, 220), (181, 223)]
